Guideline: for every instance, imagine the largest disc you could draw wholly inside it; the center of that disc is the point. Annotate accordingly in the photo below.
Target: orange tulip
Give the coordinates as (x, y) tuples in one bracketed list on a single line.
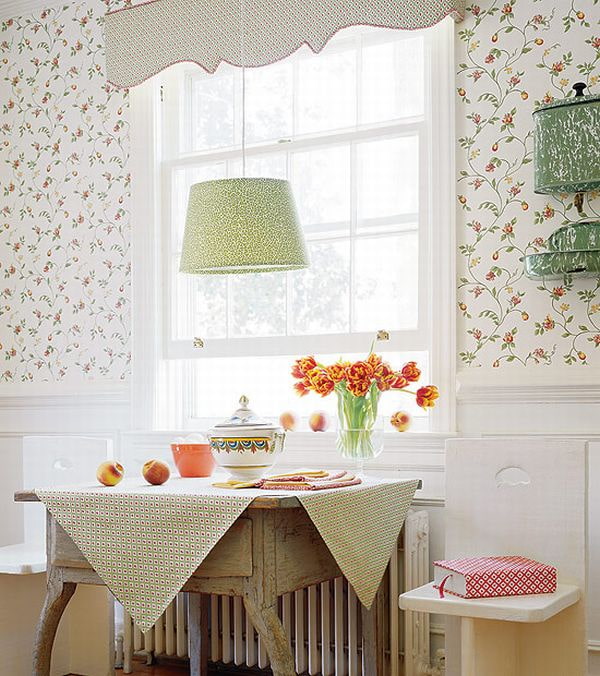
[(374, 360), (337, 372), (411, 372), (399, 382), (303, 366), (384, 376), (360, 370), (302, 387), (426, 396), (321, 381), (358, 387)]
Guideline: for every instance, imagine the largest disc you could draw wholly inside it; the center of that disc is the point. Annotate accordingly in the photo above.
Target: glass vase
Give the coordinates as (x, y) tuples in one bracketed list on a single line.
[(360, 431)]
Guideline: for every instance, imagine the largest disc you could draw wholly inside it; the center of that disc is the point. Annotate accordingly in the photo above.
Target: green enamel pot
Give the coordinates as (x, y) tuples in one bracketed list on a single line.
[(557, 264)]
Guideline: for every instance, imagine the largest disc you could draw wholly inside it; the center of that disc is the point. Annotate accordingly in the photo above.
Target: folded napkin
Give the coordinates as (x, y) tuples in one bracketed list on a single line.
[(300, 481)]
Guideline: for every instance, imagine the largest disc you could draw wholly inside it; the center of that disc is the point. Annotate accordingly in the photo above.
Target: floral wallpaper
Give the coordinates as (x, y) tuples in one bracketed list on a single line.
[(64, 201), (512, 56)]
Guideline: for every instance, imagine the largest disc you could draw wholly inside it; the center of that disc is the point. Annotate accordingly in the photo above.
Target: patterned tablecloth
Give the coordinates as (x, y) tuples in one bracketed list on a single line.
[(146, 541)]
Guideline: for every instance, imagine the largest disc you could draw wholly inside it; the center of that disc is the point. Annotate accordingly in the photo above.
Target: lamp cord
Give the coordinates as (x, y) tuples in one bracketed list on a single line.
[(243, 58)]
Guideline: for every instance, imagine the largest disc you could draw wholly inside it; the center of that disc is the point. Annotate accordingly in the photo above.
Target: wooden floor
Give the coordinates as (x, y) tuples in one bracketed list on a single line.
[(157, 670), (179, 670)]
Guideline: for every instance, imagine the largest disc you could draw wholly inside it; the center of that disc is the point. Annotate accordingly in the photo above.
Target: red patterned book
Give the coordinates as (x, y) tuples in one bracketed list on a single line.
[(489, 576)]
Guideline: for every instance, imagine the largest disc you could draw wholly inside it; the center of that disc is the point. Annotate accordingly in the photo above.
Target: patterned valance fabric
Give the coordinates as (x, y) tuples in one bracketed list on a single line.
[(143, 39)]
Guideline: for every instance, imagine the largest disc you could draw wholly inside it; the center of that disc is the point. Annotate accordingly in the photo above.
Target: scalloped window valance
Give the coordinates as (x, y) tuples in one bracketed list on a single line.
[(143, 39)]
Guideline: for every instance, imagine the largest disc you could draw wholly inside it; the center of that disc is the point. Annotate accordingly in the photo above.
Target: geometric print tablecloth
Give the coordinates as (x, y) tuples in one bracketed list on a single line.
[(146, 541), (360, 527)]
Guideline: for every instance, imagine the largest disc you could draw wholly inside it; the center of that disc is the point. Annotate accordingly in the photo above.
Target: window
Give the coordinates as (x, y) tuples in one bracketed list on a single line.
[(353, 129)]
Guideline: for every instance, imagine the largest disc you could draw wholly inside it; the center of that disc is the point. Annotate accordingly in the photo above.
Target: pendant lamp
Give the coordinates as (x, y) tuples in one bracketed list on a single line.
[(242, 225), (239, 225)]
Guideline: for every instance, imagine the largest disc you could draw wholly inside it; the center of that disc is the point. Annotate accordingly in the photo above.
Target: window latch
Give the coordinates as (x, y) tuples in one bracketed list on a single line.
[(198, 342)]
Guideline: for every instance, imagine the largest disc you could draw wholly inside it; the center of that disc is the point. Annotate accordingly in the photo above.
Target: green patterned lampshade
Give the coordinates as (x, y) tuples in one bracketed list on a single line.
[(241, 225), (567, 145)]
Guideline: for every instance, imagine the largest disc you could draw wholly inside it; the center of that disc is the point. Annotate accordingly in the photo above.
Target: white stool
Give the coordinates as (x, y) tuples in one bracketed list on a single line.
[(521, 497)]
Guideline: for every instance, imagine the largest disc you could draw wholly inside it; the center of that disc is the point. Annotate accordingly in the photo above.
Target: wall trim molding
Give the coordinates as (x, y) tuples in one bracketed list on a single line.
[(53, 402), (55, 390), (93, 412), (533, 386)]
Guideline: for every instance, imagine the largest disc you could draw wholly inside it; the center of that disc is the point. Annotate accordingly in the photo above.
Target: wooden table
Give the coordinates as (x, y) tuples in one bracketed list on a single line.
[(273, 548)]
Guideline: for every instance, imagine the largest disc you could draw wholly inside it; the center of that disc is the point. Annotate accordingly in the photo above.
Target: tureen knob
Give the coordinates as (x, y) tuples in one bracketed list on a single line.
[(244, 401)]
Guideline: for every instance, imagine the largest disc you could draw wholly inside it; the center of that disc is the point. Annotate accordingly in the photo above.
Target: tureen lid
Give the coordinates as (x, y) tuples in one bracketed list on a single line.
[(244, 419)]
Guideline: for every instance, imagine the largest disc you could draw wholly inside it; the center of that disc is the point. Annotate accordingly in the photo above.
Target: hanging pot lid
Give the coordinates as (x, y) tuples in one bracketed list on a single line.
[(244, 423), (557, 264), (569, 101)]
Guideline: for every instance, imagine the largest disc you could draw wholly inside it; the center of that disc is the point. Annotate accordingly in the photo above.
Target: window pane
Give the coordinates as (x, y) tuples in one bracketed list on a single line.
[(258, 305), (326, 92), (266, 166), (199, 303), (392, 81), (388, 177), (321, 180), (320, 294), (269, 109), (181, 320), (386, 282), (182, 180), (210, 306), (211, 111)]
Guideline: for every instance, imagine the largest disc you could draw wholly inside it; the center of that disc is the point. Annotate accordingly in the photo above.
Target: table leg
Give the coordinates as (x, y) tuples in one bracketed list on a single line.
[(198, 605), (271, 631), (58, 594)]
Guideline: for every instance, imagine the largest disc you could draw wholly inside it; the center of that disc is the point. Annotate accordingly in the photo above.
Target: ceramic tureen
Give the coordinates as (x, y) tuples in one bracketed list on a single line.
[(245, 445)]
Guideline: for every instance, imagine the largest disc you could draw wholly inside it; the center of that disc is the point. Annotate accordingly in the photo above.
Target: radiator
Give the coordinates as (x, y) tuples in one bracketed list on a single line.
[(323, 622)]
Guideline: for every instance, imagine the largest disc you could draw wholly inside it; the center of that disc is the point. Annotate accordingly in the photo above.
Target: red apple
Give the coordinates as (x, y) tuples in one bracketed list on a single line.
[(288, 421), (156, 472), (109, 473), (318, 421)]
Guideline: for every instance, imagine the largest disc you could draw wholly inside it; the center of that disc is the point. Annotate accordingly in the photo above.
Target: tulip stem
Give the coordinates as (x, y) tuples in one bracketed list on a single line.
[(357, 416)]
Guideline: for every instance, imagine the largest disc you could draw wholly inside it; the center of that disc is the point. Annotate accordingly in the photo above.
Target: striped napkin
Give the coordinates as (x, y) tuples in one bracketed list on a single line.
[(298, 481)]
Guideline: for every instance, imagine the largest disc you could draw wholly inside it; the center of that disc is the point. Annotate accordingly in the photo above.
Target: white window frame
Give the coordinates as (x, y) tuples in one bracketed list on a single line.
[(152, 345)]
